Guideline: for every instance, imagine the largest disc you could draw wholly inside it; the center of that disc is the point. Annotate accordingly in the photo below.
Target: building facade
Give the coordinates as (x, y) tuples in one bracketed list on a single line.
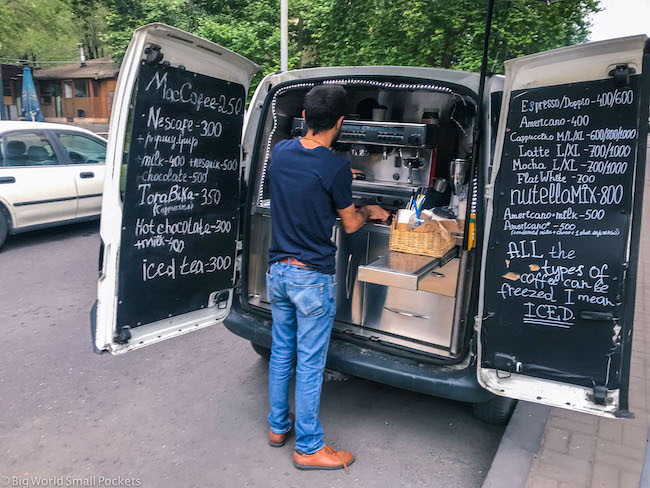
[(79, 93), (12, 88)]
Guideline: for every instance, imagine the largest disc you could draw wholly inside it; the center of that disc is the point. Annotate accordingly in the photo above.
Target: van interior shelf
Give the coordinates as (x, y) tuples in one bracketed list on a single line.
[(403, 270)]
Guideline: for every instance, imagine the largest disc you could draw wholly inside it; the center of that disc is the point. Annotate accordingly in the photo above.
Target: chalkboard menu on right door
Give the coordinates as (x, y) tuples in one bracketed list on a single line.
[(562, 213)]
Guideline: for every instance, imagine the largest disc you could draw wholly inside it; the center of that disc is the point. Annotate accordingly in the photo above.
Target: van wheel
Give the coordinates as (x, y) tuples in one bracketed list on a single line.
[(4, 227), (262, 351), (496, 411)]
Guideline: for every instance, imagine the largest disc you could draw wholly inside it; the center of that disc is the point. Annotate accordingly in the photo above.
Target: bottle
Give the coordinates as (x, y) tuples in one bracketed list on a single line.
[(470, 231)]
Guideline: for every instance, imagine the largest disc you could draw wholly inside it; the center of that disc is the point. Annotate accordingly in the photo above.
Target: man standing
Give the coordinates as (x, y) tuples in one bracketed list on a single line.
[(309, 187)]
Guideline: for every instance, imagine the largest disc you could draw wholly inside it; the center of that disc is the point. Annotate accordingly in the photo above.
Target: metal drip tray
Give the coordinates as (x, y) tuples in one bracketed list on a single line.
[(401, 270)]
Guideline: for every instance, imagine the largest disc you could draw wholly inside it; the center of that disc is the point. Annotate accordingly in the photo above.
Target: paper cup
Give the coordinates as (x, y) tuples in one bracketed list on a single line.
[(404, 215)]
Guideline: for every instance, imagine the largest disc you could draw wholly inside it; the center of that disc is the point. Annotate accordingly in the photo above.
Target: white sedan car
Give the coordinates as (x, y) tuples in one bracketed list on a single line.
[(50, 174)]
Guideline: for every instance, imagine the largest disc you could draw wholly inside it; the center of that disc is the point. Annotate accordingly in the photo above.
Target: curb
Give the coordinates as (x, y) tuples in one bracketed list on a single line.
[(519, 446), (645, 474)]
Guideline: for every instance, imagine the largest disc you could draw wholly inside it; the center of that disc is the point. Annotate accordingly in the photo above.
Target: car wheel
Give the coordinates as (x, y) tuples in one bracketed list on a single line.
[(262, 351), (496, 411), (4, 227)]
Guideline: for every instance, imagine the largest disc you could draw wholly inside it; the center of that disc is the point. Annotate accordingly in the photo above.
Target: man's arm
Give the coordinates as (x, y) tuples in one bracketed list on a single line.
[(353, 219)]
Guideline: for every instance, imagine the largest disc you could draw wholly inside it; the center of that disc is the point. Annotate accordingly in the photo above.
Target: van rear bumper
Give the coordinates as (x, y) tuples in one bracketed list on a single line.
[(371, 364)]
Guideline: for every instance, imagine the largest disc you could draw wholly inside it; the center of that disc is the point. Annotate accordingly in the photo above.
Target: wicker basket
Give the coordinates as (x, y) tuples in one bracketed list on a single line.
[(435, 244)]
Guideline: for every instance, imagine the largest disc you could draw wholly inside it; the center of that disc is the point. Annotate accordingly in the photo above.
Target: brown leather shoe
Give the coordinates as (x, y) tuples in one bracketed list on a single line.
[(278, 440), (326, 458)]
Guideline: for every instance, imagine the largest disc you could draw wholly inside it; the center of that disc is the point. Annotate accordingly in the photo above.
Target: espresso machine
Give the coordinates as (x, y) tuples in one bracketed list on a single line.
[(394, 158)]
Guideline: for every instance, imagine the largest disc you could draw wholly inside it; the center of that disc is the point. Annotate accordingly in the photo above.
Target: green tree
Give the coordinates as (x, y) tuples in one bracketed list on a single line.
[(124, 16), (443, 33), (250, 28), (439, 33), (37, 30), (90, 17)]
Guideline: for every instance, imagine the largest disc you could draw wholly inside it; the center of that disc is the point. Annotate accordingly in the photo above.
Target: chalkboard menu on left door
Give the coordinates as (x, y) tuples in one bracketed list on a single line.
[(181, 199)]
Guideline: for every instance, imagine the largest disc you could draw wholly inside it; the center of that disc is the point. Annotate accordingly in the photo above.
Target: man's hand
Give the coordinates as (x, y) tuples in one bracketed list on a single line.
[(353, 218), (357, 174), (377, 213)]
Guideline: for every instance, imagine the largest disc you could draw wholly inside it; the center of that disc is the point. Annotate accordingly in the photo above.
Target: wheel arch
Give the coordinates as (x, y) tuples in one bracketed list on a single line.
[(5, 209)]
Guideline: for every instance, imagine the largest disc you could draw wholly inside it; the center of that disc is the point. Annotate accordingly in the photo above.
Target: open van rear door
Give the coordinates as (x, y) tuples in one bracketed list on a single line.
[(563, 216), (170, 214)]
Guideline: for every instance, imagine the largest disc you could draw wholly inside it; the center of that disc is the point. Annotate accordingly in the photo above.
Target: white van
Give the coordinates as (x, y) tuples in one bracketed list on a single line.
[(532, 295)]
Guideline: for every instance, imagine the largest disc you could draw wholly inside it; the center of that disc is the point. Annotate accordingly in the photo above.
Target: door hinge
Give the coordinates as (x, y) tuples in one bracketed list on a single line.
[(489, 192), (599, 395), (507, 362), (154, 56), (124, 335), (219, 299), (621, 74), (478, 321)]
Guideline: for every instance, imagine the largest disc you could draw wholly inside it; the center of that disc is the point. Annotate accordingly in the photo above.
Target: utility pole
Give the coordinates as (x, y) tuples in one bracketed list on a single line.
[(284, 35), (2, 96)]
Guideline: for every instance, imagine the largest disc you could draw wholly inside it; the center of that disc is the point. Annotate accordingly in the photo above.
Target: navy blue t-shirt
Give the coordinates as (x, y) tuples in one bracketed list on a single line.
[(306, 187)]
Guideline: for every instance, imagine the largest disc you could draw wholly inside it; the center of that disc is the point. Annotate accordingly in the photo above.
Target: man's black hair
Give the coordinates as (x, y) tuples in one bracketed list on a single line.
[(324, 104)]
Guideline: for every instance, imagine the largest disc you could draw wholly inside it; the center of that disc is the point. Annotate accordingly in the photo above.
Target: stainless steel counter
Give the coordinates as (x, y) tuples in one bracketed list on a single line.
[(419, 320), (398, 269)]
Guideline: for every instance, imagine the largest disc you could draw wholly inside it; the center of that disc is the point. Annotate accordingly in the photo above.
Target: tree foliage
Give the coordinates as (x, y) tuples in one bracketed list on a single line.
[(36, 29), (439, 33), (90, 16), (444, 33), (127, 15)]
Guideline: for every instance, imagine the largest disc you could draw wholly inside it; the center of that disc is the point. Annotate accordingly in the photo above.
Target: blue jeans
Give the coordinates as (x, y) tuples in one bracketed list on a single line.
[(303, 306)]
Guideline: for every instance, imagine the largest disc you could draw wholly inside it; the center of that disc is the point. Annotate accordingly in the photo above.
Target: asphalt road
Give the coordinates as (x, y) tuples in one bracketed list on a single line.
[(189, 412)]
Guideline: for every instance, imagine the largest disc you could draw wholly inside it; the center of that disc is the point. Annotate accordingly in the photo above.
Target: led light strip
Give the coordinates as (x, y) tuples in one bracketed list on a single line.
[(346, 82), (267, 155)]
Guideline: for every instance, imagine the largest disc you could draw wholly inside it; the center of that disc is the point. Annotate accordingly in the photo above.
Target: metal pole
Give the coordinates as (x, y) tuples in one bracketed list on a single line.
[(2, 97), (486, 44), (82, 55), (481, 171), (284, 35)]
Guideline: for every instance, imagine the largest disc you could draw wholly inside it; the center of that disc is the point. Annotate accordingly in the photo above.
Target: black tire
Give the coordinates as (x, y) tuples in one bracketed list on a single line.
[(262, 351), (4, 227), (496, 411)]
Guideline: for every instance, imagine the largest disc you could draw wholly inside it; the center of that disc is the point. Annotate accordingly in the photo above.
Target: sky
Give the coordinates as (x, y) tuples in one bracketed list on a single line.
[(621, 18)]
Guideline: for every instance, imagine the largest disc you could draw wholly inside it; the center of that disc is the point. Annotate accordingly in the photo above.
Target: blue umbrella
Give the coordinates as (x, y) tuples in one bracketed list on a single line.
[(31, 107)]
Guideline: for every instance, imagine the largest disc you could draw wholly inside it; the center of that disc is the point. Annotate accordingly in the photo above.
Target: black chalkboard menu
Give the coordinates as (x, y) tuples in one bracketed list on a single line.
[(563, 201), (181, 199)]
